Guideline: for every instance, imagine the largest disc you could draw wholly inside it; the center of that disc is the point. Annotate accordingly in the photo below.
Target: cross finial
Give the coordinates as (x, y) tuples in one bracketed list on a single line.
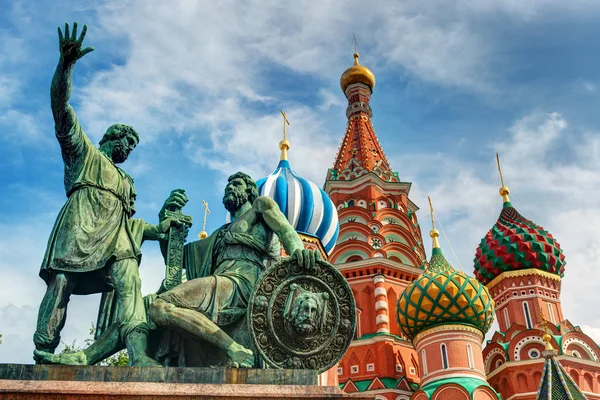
[(203, 234), (434, 232), (355, 44), (285, 122), (431, 213), (284, 145), (504, 191), (547, 337)]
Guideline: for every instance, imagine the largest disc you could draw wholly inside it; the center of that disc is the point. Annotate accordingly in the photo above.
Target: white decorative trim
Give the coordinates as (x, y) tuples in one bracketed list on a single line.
[(380, 292), (590, 352), (383, 330), (523, 342), (488, 359), (379, 279), (381, 305), (382, 319), (424, 358)]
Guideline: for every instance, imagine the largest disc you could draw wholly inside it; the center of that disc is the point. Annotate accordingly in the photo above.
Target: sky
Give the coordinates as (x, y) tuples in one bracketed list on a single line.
[(203, 82)]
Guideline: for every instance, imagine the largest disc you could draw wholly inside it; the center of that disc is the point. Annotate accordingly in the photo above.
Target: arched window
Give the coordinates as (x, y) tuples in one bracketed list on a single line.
[(551, 313), (506, 319), (424, 358), (350, 203), (444, 356), (470, 356), (527, 317)]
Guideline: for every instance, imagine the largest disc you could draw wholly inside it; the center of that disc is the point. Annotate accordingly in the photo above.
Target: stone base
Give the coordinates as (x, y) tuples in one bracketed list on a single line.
[(44, 382)]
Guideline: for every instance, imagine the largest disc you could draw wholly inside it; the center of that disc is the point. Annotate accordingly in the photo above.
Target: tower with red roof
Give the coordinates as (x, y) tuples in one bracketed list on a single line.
[(379, 249), (523, 265)]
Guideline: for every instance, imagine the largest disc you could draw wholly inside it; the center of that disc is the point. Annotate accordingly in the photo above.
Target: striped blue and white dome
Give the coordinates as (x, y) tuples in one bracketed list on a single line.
[(307, 207)]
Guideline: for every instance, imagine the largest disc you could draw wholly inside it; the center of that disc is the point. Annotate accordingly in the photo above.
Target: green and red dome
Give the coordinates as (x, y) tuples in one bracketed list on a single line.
[(516, 243)]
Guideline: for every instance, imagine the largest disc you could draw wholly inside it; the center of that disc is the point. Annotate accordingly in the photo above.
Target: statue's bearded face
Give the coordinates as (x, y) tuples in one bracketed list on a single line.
[(306, 313), (121, 148), (236, 195)]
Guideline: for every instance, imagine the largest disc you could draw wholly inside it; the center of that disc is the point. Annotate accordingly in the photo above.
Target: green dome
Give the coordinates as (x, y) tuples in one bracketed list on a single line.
[(442, 295)]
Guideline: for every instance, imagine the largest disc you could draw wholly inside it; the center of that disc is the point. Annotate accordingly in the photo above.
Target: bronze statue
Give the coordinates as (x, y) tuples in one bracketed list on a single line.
[(95, 244), (222, 271)]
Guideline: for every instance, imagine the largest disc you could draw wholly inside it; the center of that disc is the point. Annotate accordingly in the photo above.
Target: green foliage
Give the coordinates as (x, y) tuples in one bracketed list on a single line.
[(119, 359)]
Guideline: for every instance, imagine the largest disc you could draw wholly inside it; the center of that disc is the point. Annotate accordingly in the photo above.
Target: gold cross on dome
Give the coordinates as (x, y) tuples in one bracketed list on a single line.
[(206, 211), (285, 121)]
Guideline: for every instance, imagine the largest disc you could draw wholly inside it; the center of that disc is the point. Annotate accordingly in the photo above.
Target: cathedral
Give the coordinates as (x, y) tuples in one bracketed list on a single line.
[(421, 324)]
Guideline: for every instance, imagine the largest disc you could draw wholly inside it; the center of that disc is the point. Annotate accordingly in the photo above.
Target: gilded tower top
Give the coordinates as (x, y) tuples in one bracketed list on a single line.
[(357, 74)]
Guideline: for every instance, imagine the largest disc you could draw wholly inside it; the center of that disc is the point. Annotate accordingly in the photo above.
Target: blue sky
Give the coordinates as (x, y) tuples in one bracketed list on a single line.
[(203, 83)]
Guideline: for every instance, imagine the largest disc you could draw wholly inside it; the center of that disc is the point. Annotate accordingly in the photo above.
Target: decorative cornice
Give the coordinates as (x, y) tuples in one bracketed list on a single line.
[(520, 273), (379, 262), (445, 328)]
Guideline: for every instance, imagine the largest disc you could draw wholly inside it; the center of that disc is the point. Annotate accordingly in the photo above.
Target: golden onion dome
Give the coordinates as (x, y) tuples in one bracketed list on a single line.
[(357, 74), (442, 295)]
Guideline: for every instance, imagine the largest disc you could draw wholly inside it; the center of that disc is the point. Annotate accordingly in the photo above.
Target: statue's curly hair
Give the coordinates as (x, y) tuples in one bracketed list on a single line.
[(251, 188), (118, 131)]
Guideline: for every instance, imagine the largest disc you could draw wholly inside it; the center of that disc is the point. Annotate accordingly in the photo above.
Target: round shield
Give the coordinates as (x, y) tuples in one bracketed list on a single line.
[(302, 318)]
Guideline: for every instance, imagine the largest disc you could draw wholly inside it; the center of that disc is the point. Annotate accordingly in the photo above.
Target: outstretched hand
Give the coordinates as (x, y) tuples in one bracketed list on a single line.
[(306, 258), (71, 48)]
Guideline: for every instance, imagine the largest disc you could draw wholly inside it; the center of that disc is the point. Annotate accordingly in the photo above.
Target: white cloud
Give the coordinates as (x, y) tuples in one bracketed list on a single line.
[(553, 170)]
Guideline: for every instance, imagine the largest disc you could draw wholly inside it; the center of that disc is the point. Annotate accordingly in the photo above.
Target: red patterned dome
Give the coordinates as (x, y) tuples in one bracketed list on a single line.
[(516, 243)]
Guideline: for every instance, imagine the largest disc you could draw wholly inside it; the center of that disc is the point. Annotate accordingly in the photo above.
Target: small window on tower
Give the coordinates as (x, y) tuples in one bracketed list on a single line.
[(354, 369), (398, 367), (340, 371), (413, 371), (533, 353), (444, 356), (370, 367)]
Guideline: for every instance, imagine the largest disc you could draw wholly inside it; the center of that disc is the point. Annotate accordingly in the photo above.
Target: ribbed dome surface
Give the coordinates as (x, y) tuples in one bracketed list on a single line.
[(442, 295), (516, 243), (307, 207)]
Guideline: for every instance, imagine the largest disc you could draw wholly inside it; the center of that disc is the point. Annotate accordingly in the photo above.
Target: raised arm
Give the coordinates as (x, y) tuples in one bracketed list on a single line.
[(288, 237), (71, 50)]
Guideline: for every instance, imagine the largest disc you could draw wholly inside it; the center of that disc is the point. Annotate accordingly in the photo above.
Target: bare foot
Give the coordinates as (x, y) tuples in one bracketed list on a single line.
[(241, 357), (77, 358)]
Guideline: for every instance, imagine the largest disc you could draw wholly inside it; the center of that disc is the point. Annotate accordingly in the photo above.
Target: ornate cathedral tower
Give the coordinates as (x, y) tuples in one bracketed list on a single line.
[(379, 249), (446, 314), (522, 266)]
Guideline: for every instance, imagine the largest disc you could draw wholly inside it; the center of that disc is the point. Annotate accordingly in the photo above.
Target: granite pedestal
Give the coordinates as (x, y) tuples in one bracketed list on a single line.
[(53, 382)]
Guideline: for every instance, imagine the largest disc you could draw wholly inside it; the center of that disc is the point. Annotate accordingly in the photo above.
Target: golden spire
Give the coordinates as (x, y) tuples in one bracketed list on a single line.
[(547, 337), (284, 145), (434, 233), (355, 51), (504, 191), (203, 234)]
